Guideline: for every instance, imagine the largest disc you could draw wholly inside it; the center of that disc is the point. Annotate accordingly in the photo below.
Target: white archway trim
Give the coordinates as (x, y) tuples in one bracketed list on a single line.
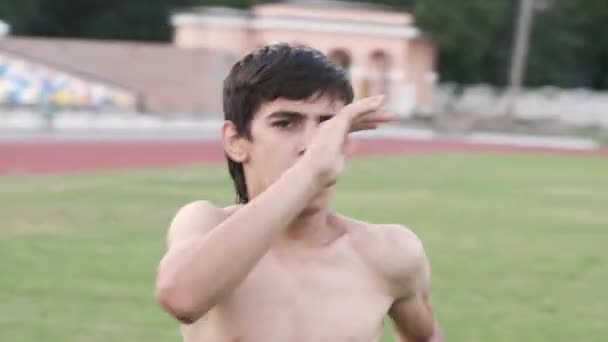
[(394, 74), (306, 25)]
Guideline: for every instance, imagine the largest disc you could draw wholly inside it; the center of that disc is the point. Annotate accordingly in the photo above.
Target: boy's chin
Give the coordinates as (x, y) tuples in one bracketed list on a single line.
[(321, 201)]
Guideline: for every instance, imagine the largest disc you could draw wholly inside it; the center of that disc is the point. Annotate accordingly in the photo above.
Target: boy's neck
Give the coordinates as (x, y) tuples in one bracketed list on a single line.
[(311, 231)]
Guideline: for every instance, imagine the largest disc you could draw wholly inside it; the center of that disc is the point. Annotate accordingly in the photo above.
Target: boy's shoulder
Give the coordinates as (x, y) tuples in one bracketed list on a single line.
[(398, 236), (197, 217), (203, 208), (394, 250)]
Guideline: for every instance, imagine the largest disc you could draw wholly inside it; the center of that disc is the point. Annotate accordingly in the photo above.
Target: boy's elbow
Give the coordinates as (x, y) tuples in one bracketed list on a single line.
[(178, 303), (434, 334), (432, 338)]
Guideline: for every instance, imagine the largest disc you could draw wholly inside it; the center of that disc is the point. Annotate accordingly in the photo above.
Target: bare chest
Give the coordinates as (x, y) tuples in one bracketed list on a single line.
[(314, 301)]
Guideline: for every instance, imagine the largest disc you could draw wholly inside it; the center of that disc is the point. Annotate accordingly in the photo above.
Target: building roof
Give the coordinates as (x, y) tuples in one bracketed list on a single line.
[(215, 10), (169, 79), (341, 4), (318, 10)]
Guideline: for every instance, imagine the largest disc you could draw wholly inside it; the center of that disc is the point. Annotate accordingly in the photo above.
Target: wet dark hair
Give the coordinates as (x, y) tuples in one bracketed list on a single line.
[(281, 70)]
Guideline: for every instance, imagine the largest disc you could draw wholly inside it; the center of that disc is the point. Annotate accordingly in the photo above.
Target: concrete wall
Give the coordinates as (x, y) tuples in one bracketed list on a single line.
[(571, 106)]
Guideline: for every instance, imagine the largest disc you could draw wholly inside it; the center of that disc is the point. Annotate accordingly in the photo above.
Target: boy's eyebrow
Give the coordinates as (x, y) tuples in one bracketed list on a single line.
[(285, 114), (293, 115)]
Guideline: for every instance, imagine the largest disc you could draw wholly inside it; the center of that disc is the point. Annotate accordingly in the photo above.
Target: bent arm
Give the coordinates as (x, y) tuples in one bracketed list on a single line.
[(198, 269), (415, 322), (412, 313)]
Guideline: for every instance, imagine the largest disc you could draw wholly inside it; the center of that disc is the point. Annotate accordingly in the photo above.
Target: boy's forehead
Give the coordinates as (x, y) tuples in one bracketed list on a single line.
[(321, 105)]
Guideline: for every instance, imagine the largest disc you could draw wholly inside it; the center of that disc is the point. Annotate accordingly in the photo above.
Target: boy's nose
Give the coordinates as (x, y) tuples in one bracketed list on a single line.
[(306, 138)]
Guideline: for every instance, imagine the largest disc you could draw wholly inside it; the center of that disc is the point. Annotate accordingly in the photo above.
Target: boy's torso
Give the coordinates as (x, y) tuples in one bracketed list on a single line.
[(333, 294)]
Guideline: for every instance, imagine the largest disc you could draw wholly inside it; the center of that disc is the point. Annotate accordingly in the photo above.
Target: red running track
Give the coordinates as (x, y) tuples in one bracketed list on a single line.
[(51, 157)]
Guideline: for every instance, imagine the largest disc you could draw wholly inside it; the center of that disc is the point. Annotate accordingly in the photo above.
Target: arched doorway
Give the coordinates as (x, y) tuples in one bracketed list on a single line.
[(341, 57), (379, 69)]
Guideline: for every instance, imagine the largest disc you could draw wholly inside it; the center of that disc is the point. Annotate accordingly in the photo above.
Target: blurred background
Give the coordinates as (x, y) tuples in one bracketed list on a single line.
[(109, 121)]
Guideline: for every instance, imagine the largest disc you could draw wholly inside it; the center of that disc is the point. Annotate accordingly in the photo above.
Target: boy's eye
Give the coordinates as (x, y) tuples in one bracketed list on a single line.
[(325, 118), (283, 124)]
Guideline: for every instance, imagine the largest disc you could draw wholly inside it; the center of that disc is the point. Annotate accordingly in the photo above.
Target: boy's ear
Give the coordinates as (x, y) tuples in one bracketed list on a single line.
[(234, 145)]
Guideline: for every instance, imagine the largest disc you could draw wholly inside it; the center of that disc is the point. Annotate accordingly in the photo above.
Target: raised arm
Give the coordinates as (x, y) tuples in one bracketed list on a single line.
[(199, 268), (208, 254)]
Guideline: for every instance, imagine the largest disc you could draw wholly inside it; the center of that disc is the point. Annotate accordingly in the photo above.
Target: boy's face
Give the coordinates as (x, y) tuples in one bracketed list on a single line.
[(281, 131)]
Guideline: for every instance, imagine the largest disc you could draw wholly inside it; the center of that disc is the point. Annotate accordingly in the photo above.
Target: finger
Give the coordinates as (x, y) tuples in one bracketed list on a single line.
[(373, 122), (380, 117), (362, 107), (363, 127)]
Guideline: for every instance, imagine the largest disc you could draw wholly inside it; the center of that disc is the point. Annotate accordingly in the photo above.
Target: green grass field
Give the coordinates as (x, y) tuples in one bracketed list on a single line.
[(518, 244)]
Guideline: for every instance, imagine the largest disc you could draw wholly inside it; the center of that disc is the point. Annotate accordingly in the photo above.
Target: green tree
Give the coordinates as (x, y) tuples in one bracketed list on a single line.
[(18, 14), (568, 48), (474, 37)]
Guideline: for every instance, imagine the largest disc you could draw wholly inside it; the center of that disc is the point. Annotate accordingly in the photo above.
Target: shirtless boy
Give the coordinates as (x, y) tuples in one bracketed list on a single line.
[(281, 266)]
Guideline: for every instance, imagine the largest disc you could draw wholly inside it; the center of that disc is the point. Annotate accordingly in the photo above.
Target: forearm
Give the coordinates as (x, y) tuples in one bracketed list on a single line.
[(215, 263)]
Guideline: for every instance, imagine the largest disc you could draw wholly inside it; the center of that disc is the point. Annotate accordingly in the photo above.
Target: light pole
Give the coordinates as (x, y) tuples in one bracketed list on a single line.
[(520, 54)]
